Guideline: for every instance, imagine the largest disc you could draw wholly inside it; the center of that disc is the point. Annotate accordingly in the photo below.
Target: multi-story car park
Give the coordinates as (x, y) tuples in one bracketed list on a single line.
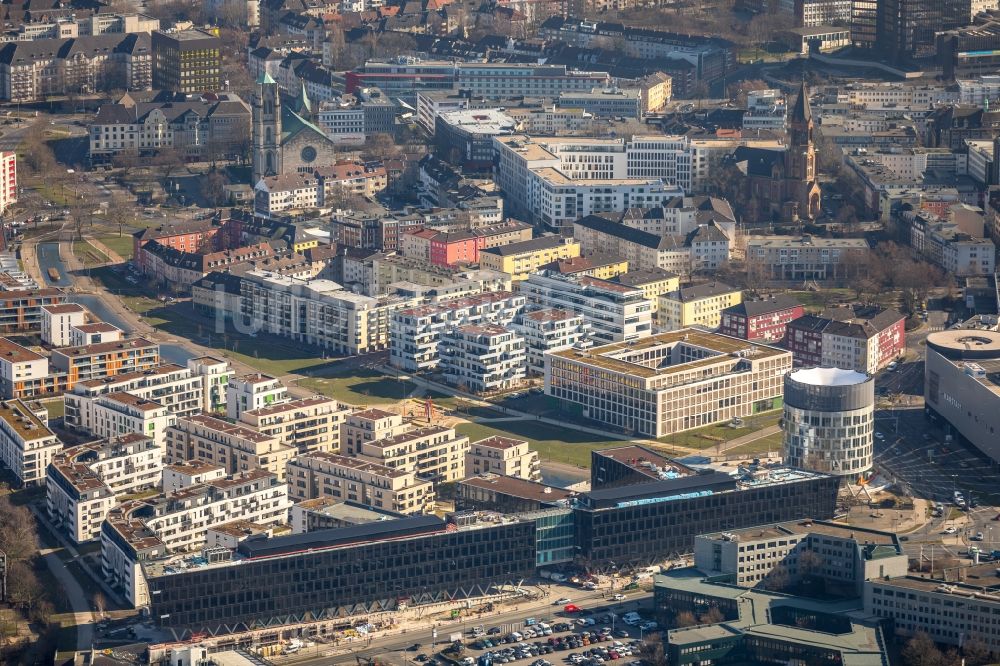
[(82, 482), (366, 568), (669, 382), (137, 529), (961, 386), (27, 446), (316, 475)]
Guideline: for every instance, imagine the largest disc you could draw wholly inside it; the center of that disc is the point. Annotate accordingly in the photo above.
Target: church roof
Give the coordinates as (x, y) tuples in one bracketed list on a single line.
[(264, 77), (760, 161), (292, 124), (801, 111)]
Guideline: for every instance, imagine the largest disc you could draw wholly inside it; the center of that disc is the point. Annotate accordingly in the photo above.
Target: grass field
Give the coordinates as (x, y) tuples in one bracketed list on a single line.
[(359, 386), (88, 254), (553, 443), (758, 446), (710, 436), (56, 408), (120, 244)]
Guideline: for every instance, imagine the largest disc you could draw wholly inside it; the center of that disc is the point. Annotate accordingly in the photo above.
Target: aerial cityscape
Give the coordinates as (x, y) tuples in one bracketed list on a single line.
[(487, 332)]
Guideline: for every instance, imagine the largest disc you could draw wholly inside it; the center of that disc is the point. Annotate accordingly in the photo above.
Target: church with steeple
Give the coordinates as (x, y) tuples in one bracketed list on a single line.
[(286, 138), (781, 183)]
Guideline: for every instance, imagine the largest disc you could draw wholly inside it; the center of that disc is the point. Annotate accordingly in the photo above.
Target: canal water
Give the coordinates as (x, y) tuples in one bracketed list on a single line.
[(48, 257)]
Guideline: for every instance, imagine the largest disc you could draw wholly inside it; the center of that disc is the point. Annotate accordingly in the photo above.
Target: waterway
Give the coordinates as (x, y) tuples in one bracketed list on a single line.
[(48, 257)]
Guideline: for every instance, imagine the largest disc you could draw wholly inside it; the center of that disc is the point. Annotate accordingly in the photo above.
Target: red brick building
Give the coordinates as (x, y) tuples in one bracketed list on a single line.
[(762, 320), (193, 236), (864, 339)]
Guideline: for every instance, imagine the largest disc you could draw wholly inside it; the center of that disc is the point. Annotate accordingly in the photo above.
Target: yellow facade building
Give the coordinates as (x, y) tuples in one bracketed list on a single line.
[(654, 283), (519, 260), (698, 305)]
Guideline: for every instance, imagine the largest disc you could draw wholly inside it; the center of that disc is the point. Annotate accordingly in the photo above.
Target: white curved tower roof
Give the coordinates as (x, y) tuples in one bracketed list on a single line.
[(828, 377)]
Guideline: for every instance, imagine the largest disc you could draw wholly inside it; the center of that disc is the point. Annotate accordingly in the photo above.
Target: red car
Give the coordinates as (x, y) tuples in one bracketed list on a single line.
[(572, 608)]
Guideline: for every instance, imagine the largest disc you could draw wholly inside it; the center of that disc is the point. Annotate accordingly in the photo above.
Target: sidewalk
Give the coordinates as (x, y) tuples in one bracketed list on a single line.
[(113, 257)]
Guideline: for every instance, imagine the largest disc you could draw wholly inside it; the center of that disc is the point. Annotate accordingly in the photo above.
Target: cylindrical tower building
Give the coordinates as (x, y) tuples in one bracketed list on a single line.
[(829, 420)]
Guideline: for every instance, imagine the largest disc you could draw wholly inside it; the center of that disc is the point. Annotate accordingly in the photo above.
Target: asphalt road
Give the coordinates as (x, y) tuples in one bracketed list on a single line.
[(394, 648)]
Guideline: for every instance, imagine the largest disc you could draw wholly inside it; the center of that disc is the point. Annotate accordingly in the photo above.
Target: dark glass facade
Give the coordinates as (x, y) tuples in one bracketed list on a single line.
[(320, 584)]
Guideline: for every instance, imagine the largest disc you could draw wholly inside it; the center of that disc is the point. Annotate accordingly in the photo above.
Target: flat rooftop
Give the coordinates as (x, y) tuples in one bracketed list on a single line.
[(860, 534), (516, 487), (646, 461), (981, 579)]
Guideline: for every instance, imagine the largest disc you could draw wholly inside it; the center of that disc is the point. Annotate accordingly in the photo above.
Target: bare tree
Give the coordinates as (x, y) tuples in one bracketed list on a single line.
[(777, 580), (739, 91), (685, 619), (921, 651), (652, 651), (381, 146), (712, 616), (213, 188), (18, 535), (809, 562), (976, 652), (23, 587), (100, 603)]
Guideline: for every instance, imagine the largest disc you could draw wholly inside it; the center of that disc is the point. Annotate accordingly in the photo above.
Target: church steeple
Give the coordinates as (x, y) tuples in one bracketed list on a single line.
[(266, 128), (801, 113), (303, 105)]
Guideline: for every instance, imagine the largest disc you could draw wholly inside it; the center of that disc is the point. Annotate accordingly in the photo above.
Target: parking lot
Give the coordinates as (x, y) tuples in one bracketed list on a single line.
[(579, 638)]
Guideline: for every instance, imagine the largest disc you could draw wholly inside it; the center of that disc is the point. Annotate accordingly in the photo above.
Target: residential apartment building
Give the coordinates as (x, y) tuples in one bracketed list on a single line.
[(704, 249), (118, 413), (525, 257), (178, 522), (210, 126), (187, 61), (33, 70), (83, 482), (8, 179), (58, 321), (251, 392), (951, 612), (25, 374), (449, 248), (309, 424), (698, 305), (482, 358), (670, 382), (763, 320), (435, 453), (503, 456), (369, 425), (177, 476), (593, 264), (231, 447), (654, 282), (606, 102), (415, 333), (807, 258), (89, 334), (51, 27), (105, 359), (614, 312), (864, 339), (550, 330), (328, 475), (27, 446), (21, 310)]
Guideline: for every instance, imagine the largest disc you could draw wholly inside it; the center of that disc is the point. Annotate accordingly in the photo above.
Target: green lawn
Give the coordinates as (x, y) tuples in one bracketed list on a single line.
[(758, 446), (359, 386), (554, 443), (88, 254), (120, 244), (56, 408), (816, 301), (710, 436)]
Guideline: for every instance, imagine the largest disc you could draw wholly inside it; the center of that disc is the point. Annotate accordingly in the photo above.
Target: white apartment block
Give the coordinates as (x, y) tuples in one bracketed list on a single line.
[(307, 424), (977, 92), (555, 180), (415, 333), (277, 194), (8, 179), (343, 478), (319, 312), (91, 334), (191, 473), (22, 371), (670, 382), (614, 312), (27, 446), (369, 425), (253, 392), (504, 456), (550, 330), (58, 321), (233, 447), (482, 358), (342, 122), (435, 453), (178, 522), (844, 556), (119, 413), (83, 481)]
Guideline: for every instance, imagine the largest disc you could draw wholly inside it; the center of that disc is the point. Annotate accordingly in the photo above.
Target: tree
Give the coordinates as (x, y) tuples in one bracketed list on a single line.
[(125, 161), (381, 146), (169, 159), (921, 651), (18, 536), (712, 616), (739, 91), (809, 562), (23, 587), (652, 651), (213, 188), (685, 619), (100, 603), (777, 579), (976, 652)]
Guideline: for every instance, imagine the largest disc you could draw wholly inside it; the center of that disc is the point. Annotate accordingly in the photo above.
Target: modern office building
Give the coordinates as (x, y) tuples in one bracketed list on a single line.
[(761, 320), (366, 568), (647, 523), (343, 478), (606, 102), (415, 333), (465, 138), (842, 556), (503, 456), (631, 464), (951, 612), (961, 387), (27, 446), (669, 382), (613, 311), (324, 513), (251, 392), (697, 305), (550, 330), (829, 421), (137, 530), (187, 61), (482, 358), (83, 482), (507, 494)]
